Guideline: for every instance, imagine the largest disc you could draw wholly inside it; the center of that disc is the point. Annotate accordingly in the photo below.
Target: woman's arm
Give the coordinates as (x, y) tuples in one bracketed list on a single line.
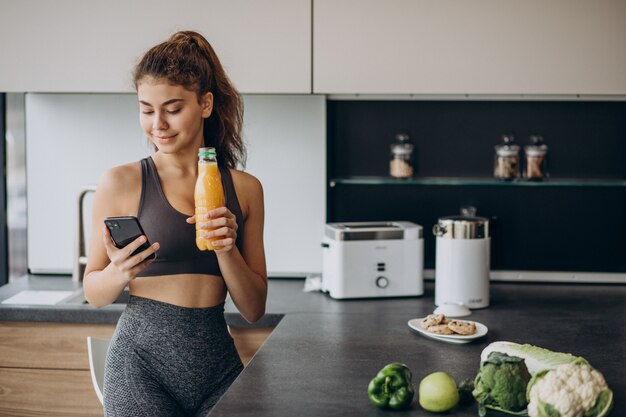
[(109, 269), (244, 271)]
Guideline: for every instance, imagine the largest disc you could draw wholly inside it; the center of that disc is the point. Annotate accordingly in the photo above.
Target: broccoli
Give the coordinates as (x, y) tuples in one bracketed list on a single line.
[(501, 384)]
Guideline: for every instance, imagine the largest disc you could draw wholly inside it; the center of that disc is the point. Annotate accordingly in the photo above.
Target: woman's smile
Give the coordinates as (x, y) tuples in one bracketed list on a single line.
[(164, 139)]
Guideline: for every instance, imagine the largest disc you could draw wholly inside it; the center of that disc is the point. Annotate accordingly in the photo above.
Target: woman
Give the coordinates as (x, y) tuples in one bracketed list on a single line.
[(171, 354)]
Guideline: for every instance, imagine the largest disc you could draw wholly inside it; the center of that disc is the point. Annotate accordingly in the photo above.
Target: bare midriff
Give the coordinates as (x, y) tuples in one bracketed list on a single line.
[(184, 290)]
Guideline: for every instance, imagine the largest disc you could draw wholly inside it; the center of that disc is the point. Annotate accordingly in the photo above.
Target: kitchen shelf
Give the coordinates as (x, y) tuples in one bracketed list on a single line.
[(481, 182)]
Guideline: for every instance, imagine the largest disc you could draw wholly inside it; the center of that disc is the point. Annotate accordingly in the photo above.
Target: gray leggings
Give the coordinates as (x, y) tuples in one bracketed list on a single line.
[(166, 360)]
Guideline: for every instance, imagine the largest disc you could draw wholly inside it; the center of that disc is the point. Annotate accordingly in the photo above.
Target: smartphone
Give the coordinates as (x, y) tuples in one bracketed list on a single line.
[(124, 230)]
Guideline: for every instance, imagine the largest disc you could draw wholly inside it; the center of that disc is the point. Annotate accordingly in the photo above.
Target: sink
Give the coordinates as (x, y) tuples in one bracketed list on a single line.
[(79, 298)]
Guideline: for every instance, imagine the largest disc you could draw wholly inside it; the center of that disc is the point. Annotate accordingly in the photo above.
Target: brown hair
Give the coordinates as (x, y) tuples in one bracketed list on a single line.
[(187, 59)]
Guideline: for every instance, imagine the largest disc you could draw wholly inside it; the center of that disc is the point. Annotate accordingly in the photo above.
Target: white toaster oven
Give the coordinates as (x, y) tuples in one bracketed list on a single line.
[(373, 259)]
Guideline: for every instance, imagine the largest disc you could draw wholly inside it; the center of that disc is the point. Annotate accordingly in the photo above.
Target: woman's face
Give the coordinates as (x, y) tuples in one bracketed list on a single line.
[(171, 115)]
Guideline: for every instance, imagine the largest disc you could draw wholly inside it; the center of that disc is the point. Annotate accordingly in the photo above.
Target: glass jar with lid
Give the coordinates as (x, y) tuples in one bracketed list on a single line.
[(536, 168), (506, 165), (401, 161)]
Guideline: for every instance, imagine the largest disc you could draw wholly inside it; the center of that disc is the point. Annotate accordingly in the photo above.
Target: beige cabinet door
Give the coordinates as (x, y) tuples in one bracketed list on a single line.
[(90, 46), (469, 47)]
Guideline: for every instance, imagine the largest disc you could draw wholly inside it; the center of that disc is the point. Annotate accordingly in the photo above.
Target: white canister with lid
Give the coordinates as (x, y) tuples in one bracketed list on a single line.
[(462, 260)]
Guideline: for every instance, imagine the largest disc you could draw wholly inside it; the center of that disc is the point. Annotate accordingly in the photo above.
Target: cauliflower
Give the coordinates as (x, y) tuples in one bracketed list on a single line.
[(569, 390)]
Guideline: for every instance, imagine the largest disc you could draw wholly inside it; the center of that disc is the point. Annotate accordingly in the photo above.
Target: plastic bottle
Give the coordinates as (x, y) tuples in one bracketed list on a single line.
[(209, 192)]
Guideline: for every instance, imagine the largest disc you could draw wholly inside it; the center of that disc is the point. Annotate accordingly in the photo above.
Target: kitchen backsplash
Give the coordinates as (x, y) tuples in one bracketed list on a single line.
[(73, 138), (565, 224), (574, 221), (457, 138)]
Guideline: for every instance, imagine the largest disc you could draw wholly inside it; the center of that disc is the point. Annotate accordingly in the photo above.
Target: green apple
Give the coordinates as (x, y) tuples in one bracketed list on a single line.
[(438, 392)]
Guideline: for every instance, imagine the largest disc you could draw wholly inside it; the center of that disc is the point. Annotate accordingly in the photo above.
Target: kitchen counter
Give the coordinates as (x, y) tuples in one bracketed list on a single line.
[(323, 352), (319, 364), (80, 311)]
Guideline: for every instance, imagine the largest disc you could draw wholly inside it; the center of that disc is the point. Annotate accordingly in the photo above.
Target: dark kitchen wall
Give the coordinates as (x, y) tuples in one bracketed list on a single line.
[(567, 224)]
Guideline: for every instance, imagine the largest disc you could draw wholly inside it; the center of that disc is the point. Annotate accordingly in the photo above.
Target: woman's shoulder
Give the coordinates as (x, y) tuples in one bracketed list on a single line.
[(119, 189), (249, 191), (246, 182), (121, 177)]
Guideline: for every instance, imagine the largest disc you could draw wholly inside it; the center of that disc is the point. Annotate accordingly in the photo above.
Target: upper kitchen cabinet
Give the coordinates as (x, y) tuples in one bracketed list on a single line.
[(91, 46), (479, 47)]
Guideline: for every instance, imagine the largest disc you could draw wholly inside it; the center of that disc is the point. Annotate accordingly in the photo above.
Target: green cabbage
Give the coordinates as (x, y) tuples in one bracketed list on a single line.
[(536, 358)]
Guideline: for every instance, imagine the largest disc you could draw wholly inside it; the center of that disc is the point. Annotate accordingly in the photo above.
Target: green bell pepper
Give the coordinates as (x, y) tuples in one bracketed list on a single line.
[(392, 388)]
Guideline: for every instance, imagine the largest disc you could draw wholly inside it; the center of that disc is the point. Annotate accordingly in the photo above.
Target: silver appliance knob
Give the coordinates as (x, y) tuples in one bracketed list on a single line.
[(382, 282)]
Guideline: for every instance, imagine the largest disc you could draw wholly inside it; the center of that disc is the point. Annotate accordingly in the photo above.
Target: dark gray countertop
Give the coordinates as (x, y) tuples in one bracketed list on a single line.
[(85, 313), (319, 364), (323, 352)]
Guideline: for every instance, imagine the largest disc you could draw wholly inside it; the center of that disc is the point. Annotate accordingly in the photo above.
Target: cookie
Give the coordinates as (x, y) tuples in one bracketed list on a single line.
[(432, 320), (440, 329), (464, 328)]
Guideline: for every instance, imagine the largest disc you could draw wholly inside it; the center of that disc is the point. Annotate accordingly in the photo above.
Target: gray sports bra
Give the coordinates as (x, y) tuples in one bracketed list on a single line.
[(164, 224)]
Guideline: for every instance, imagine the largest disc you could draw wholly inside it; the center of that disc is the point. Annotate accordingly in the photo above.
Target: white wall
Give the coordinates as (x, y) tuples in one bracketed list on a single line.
[(72, 139), (286, 138)]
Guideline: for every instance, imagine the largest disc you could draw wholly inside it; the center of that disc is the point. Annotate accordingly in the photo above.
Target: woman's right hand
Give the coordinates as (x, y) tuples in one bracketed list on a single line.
[(123, 261)]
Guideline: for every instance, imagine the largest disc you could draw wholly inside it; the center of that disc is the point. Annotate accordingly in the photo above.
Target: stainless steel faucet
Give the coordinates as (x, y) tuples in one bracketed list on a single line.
[(80, 255)]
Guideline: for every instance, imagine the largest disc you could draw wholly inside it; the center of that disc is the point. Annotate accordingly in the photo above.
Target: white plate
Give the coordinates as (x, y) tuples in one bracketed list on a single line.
[(481, 330)]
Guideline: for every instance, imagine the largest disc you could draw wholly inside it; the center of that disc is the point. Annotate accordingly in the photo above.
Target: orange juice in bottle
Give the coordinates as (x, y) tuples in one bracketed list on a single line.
[(208, 194)]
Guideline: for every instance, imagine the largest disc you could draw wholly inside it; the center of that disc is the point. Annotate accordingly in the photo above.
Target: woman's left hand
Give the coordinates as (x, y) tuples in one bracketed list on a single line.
[(218, 223)]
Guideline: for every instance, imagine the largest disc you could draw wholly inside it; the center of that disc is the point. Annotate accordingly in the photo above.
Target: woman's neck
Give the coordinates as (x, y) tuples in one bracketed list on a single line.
[(185, 163)]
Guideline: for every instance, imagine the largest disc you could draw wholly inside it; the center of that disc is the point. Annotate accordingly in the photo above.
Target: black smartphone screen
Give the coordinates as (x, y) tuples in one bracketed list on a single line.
[(124, 230)]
